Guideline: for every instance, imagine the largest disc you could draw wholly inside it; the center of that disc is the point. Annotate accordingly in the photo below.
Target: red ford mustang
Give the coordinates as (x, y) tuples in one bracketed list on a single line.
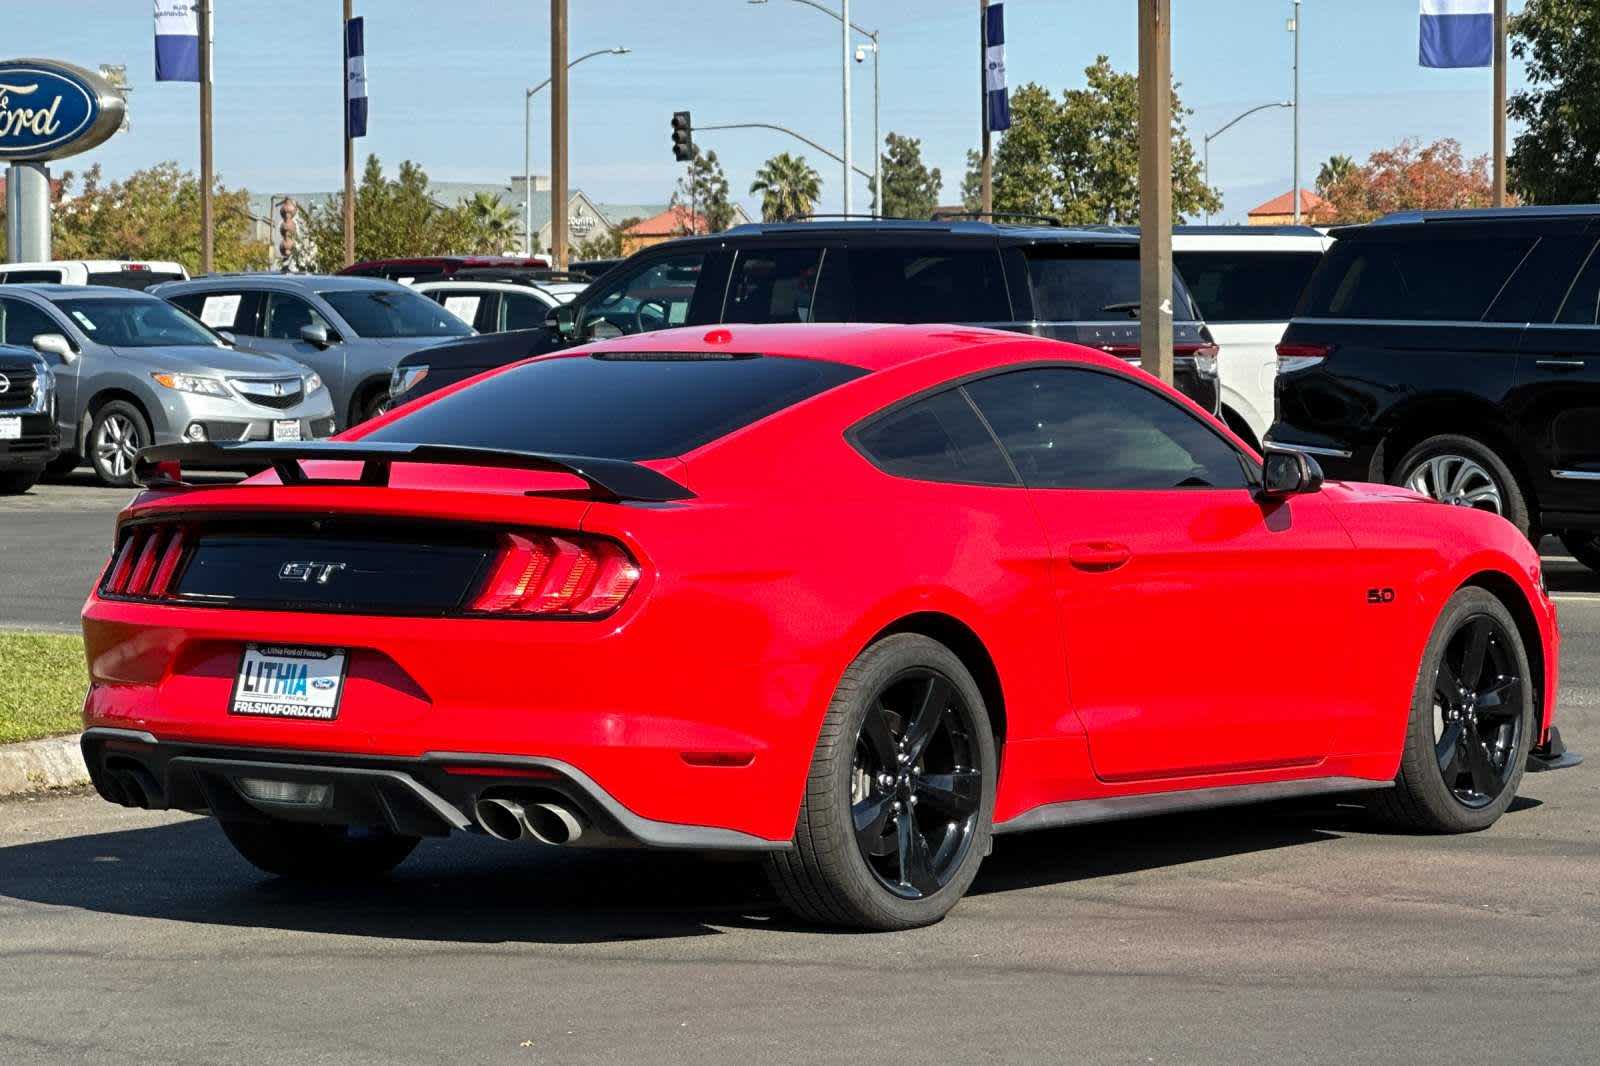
[(853, 597)]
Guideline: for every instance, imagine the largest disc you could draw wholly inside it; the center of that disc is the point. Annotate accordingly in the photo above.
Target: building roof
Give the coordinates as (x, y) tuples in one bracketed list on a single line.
[(1310, 203), (674, 221)]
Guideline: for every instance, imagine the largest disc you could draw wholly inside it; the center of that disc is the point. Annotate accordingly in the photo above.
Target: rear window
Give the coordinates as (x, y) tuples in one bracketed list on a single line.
[(1246, 286), (928, 285), (1093, 285), (132, 279), (1424, 278), (633, 406)]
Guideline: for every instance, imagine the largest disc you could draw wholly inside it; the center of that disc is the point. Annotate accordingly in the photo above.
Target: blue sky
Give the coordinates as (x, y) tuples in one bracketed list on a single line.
[(446, 84)]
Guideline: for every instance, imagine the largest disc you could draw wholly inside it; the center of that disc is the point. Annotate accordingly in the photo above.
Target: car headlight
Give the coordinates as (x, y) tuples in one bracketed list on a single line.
[(405, 378), (192, 383), (44, 382), (313, 382)]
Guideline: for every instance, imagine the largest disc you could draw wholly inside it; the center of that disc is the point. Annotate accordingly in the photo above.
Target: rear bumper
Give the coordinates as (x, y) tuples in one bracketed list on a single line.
[(431, 795)]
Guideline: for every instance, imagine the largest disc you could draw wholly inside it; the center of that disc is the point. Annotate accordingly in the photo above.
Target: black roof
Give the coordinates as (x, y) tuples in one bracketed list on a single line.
[(1535, 213), (899, 227)]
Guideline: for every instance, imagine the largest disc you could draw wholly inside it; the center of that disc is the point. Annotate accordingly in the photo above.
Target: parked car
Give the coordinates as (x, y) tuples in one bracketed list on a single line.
[(117, 273), (1458, 353), (29, 439), (1068, 284), (492, 306), (350, 330), (1246, 281), (799, 591), (436, 267), (131, 370)]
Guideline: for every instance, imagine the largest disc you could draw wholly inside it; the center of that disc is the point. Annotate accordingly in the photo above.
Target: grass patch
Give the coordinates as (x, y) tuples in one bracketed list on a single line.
[(42, 682)]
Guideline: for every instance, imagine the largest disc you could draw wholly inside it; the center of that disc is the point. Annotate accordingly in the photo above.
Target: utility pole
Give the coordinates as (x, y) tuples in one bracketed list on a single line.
[(1499, 103), (207, 223), (1296, 193), (844, 68), (986, 169), (558, 133), (349, 144), (1155, 187)]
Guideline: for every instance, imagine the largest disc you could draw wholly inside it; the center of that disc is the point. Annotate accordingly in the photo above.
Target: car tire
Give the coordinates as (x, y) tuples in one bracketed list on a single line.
[(370, 406), (13, 482), (1464, 471), (62, 465), (116, 434), (836, 875), (1443, 785), (310, 852), (1584, 546)]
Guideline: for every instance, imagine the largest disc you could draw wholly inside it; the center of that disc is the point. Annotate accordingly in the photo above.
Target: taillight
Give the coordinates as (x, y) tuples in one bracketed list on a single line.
[(1294, 356), (569, 576), (146, 562), (1204, 355)]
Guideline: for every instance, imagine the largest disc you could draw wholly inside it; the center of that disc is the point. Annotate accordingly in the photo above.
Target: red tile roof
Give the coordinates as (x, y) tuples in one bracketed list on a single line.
[(671, 222), (1310, 204)]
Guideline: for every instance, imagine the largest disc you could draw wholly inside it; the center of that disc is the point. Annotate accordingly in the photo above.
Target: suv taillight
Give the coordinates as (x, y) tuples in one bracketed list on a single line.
[(1292, 357), (1204, 355), (144, 565), (567, 576)]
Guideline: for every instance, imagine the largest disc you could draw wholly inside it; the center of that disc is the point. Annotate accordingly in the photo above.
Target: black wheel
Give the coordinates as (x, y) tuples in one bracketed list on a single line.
[(1584, 546), (1466, 473), (370, 406), (62, 465), (117, 433), (16, 481), (318, 852), (1472, 721), (895, 818)]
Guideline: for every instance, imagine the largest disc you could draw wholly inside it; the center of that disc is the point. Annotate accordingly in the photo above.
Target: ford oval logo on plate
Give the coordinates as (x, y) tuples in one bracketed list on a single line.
[(50, 109)]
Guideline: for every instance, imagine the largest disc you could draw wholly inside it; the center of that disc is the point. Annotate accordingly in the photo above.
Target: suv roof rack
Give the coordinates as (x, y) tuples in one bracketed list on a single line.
[(997, 216), (1485, 214), (814, 215)]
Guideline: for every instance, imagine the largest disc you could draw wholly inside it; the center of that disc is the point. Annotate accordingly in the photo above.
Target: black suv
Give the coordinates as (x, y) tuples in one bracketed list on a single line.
[(1457, 353), (1070, 284), (28, 437)]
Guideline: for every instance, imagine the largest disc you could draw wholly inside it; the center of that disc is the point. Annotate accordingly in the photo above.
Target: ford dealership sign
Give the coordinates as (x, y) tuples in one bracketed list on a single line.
[(50, 109)]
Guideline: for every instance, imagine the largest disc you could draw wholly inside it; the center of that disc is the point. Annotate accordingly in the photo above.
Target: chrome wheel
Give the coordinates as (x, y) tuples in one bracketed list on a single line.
[(116, 442), (915, 786), (1477, 712), (1457, 480)]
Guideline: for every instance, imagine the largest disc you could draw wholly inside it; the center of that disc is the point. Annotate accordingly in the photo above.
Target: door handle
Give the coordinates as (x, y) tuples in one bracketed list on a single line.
[(1559, 364), (1098, 554)]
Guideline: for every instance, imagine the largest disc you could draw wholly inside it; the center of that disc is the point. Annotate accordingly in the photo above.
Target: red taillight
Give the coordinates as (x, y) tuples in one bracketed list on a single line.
[(170, 556), (146, 563), (566, 576), (1295, 356), (139, 580)]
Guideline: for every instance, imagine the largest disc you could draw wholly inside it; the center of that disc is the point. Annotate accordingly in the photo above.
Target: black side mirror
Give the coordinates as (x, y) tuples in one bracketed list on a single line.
[(1286, 472), (564, 319)]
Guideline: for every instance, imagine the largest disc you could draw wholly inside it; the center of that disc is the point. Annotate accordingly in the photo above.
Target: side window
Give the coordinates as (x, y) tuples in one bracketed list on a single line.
[(464, 305), (521, 312), (1535, 291), (33, 277), (780, 285), (1583, 299), (964, 285), (654, 297), (940, 438), (287, 315), (1434, 279), (1083, 429), (23, 322), (232, 311)]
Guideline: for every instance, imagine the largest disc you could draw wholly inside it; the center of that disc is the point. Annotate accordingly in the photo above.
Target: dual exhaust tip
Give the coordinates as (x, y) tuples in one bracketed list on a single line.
[(547, 823)]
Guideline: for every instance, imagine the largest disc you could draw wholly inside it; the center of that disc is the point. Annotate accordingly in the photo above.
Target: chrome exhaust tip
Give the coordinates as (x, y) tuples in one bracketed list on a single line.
[(552, 823), (501, 818)]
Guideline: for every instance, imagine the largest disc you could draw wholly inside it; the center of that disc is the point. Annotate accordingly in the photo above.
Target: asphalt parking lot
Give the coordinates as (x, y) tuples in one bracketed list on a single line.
[(1293, 933)]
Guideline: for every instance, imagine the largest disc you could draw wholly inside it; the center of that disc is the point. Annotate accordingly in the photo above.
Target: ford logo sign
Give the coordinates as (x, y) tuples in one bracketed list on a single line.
[(50, 109)]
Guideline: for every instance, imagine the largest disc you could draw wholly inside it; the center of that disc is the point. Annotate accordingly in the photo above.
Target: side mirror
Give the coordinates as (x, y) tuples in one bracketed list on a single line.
[(228, 338), (313, 333), (1286, 472), (564, 317), (55, 344)]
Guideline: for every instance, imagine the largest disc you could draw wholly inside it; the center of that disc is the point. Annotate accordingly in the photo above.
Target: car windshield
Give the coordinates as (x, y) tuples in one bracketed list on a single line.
[(148, 323), (394, 313)]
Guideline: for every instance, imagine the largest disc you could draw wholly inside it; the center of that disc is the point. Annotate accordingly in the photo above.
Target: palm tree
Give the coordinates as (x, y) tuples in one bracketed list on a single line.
[(1335, 170), (788, 187), (494, 219)]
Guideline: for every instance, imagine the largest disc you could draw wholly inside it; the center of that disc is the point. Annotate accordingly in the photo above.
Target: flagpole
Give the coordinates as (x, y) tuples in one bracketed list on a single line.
[(986, 185), (207, 231), (349, 144), (1499, 103)]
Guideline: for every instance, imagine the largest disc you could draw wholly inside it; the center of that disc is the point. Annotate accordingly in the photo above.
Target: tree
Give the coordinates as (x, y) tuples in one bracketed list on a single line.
[(1334, 171), (396, 218), (1556, 158), (153, 214), (910, 189), (606, 244), (1408, 178), (495, 218), (703, 191), (788, 186), (1077, 158)]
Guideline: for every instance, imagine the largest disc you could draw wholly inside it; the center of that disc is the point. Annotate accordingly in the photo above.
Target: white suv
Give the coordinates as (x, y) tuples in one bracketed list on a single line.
[(117, 273), (1247, 281)]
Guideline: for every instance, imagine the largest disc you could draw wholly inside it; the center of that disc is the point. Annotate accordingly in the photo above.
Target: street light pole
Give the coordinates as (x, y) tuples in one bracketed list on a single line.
[(527, 139), (844, 69), (1295, 25), (1208, 138)]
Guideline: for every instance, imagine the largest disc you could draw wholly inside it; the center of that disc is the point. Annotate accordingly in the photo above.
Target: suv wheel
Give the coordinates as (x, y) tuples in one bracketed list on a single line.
[(115, 437), (1466, 473)]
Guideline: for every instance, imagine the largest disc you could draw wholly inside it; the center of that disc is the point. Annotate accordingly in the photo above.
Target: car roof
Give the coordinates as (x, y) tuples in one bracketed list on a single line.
[(1532, 213), (302, 282), (55, 292), (162, 265), (1024, 233), (491, 286)]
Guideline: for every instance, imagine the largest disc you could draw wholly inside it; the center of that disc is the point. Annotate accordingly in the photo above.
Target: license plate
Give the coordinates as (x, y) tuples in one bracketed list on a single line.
[(275, 681), (286, 429), (10, 429)]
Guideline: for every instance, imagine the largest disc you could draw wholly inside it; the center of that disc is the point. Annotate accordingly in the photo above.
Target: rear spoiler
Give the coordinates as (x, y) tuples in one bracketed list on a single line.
[(161, 466)]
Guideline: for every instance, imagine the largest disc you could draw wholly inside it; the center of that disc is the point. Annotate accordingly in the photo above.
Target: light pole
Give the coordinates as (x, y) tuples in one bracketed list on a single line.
[(1208, 138), (527, 150), (860, 55), (1294, 25)]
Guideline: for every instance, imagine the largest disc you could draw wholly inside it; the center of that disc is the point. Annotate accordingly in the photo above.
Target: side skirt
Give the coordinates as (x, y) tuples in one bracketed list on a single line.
[(1085, 811)]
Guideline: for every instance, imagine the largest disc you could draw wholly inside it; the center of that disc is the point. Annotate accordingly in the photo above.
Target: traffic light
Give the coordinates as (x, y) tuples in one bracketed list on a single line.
[(682, 137)]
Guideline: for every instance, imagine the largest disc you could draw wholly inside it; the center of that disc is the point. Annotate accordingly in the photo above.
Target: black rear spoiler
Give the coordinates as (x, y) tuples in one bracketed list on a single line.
[(161, 466)]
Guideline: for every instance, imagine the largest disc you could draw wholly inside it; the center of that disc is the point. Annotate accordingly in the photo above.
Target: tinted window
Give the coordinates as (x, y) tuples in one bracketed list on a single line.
[(522, 312), (1093, 285), (132, 279), (1246, 286), (394, 313), (617, 408), (1582, 301), (23, 322), (33, 277), (136, 323), (781, 285), (1436, 279), (288, 315), (653, 298), (937, 439), (1083, 429), (1534, 292), (928, 285)]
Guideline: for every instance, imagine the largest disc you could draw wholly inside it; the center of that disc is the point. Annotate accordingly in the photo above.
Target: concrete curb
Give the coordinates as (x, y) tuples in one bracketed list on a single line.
[(36, 765)]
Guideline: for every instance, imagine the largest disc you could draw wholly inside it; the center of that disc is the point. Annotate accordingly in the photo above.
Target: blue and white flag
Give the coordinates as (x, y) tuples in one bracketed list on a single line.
[(355, 78), (1457, 33), (177, 40), (998, 111)]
